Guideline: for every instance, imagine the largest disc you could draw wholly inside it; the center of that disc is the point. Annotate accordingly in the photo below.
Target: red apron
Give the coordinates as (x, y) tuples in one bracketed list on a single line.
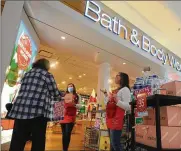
[(70, 111), (114, 114)]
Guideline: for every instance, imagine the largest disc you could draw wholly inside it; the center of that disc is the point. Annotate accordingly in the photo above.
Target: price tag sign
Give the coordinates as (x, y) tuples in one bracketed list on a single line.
[(141, 102)]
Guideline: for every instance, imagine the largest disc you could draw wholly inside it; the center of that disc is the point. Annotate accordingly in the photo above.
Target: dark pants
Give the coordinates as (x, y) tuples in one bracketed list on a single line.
[(66, 134), (115, 140), (22, 131)]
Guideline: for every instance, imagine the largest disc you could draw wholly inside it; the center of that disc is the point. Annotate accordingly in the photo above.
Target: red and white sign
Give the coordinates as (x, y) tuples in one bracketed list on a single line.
[(146, 90), (141, 102), (24, 52)]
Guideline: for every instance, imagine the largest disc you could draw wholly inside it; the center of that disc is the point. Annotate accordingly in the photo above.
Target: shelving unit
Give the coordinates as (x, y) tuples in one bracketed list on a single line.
[(155, 101)]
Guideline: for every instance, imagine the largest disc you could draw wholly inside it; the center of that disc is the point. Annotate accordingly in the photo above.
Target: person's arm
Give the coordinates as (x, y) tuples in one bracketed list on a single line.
[(52, 87), (106, 99), (123, 99), (79, 105)]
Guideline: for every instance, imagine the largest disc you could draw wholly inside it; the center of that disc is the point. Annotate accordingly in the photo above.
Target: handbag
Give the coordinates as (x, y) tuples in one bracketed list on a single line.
[(9, 107)]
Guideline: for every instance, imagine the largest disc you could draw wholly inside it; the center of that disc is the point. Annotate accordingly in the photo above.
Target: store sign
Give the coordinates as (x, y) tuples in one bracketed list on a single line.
[(113, 24)]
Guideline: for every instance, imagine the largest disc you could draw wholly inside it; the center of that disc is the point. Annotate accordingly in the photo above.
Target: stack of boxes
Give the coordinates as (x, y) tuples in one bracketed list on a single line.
[(170, 120)]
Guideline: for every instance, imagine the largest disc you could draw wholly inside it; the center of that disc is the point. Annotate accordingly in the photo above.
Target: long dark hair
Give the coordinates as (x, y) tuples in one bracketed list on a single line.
[(124, 82), (74, 92), (42, 64)]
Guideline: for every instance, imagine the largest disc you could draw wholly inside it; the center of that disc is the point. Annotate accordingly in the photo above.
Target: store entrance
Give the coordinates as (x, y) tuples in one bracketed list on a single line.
[(72, 66)]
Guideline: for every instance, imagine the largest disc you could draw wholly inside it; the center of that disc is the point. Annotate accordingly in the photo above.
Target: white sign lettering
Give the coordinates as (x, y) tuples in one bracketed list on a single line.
[(94, 12)]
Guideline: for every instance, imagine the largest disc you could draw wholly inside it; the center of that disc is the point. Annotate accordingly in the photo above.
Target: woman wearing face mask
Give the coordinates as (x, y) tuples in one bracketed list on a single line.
[(69, 116), (116, 105)]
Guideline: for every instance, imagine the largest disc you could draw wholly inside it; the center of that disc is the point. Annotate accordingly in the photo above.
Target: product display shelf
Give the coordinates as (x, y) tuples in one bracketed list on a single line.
[(155, 101)]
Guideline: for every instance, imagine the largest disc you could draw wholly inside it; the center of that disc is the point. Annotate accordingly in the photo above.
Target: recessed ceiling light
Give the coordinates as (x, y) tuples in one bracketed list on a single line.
[(52, 65), (80, 76), (70, 78), (63, 38), (124, 63), (63, 82), (84, 74)]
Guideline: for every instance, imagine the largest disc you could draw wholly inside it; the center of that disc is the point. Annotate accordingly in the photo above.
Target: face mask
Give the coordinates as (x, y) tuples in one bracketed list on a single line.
[(70, 89)]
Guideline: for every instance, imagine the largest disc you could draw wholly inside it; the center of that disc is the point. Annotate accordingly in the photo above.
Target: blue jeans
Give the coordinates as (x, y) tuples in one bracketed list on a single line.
[(115, 140)]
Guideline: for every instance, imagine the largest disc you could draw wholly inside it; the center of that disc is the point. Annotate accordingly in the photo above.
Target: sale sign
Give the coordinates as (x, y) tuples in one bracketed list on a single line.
[(24, 52), (146, 90), (141, 101)]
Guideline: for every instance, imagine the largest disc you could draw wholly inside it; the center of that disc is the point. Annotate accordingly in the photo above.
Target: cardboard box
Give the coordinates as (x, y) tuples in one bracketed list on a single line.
[(141, 134), (173, 88), (151, 136), (170, 136), (170, 116), (150, 119)]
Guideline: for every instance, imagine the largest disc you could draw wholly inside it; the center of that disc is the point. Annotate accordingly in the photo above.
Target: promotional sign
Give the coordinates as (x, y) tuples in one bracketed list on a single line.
[(141, 101), (23, 55), (24, 52), (22, 58)]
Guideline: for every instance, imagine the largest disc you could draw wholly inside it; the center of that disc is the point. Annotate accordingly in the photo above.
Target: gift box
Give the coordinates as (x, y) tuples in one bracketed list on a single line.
[(170, 116), (173, 88)]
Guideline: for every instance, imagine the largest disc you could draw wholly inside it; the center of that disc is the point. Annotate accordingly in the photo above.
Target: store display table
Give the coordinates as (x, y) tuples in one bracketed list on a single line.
[(155, 101), (163, 100)]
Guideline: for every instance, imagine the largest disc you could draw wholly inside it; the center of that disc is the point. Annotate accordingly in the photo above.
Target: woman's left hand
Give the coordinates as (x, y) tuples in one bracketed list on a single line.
[(115, 97)]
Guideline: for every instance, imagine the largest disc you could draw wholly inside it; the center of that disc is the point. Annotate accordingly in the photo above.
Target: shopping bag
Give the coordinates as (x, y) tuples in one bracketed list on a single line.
[(55, 110), (59, 110)]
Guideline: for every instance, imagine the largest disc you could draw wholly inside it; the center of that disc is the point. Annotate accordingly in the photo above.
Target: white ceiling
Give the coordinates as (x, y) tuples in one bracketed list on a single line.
[(83, 50), (159, 19)]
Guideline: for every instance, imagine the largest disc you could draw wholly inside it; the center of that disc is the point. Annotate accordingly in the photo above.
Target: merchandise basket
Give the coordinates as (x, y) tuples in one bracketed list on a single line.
[(98, 139), (91, 139)]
